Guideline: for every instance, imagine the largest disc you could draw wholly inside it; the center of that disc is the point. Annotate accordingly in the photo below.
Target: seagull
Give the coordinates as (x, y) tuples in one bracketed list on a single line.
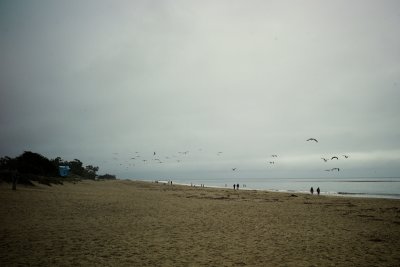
[(274, 156), (312, 139), (334, 157), (325, 159), (346, 156), (335, 169), (154, 153), (271, 162), (233, 169)]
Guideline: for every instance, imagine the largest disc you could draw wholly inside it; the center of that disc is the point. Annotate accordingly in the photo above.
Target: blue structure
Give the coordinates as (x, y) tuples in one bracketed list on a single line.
[(64, 170)]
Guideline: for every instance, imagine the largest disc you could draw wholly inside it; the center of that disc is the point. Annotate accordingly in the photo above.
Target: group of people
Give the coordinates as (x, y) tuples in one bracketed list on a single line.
[(312, 191), (193, 185)]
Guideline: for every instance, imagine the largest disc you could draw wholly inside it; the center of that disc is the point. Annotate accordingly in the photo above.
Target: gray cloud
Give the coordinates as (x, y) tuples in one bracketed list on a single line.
[(85, 80)]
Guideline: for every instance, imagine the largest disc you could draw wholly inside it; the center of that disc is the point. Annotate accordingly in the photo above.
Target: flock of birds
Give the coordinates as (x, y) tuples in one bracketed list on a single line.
[(137, 158), (134, 160), (332, 158), (324, 159)]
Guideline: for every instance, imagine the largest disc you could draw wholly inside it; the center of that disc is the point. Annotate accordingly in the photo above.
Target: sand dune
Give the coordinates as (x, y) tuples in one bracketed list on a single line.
[(126, 223)]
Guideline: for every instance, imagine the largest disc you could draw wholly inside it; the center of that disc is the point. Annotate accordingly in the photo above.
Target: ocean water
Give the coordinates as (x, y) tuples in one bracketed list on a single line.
[(355, 187)]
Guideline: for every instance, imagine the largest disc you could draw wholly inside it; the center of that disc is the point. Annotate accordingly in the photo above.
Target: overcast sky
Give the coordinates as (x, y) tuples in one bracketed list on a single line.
[(102, 80)]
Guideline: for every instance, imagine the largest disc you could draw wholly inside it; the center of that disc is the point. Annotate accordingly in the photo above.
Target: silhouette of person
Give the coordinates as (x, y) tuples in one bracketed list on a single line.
[(234, 186), (237, 186), (318, 191), (312, 190)]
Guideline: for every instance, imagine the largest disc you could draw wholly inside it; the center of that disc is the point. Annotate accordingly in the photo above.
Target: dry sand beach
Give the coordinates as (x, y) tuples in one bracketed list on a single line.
[(126, 223)]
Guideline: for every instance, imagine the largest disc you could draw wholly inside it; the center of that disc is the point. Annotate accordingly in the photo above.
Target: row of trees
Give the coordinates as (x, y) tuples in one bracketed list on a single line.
[(30, 165)]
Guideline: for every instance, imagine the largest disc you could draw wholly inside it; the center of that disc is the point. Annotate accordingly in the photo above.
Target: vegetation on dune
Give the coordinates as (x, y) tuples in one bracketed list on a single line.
[(107, 177), (30, 166)]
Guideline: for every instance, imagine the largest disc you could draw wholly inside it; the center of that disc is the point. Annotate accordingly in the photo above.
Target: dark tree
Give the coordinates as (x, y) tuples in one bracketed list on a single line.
[(76, 167), (7, 163), (90, 172), (34, 163)]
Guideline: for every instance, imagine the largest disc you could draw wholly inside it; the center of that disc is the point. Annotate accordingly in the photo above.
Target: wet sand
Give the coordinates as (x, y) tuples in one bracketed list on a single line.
[(126, 223)]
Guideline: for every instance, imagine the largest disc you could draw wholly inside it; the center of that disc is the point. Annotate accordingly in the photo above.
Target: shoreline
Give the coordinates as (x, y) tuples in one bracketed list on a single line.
[(323, 193)]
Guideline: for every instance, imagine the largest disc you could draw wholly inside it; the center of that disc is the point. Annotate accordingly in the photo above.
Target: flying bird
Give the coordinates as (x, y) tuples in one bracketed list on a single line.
[(233, 169), (324, 159), (346, 156), (335, 169), (327, 170), (272, 162), (312, 139), (334, 157), (154, 153), (274, 156)]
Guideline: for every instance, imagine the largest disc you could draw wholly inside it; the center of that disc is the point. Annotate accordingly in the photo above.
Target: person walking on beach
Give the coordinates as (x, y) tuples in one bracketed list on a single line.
[(234, 186), (312, 190), (237, 186), (318, 191)]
